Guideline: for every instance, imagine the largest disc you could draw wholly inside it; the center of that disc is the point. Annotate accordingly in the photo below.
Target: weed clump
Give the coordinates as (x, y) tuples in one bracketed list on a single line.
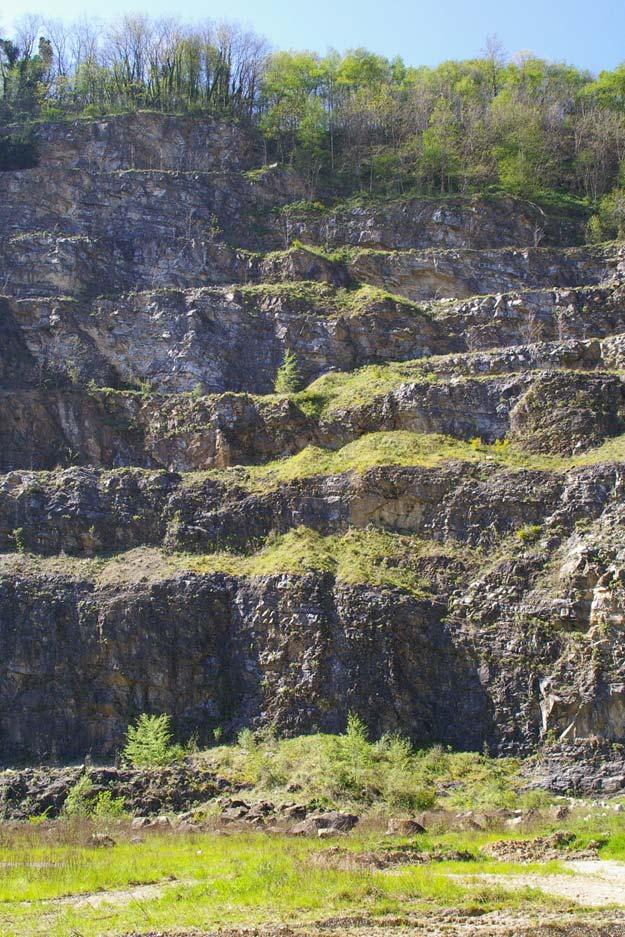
[(82, 802)]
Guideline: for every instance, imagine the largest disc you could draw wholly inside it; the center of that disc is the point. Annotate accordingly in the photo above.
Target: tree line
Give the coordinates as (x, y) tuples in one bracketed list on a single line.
[(348, 122)]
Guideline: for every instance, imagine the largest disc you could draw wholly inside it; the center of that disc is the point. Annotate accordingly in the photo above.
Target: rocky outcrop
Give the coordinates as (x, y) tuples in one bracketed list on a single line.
[(460, 273), (207, 340), (145, 140), (153, 277), (36, 792), (421, 222), (296, 651), (585, 767), (496, 645), (86, 512)]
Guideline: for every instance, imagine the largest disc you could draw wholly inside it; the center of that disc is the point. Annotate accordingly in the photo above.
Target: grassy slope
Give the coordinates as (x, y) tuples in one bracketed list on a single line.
[(207, 880)]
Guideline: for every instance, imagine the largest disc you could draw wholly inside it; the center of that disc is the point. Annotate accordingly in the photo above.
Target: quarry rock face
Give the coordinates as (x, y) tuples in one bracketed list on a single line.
[(153, 275)]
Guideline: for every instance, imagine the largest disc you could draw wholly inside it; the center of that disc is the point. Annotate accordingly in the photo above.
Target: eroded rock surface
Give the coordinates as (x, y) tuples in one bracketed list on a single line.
[(153, 276)]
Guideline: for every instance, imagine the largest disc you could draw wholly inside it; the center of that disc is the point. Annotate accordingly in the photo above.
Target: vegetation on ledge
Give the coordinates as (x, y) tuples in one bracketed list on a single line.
[(324, 299), (403, 448), (367, 556)]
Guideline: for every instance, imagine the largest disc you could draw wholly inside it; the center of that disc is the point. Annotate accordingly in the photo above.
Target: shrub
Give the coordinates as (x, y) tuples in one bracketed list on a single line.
[(609, 220), (107, 807), (246, 740), (18, 539), (303, 205), (529, 534), (79, 801), (402, 792), (150, 743), (288, 380)]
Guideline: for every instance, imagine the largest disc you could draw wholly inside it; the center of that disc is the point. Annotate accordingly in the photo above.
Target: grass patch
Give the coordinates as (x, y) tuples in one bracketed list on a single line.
[(324, 299), (360, 555), (403, 448), (369, 555), (338, 390)]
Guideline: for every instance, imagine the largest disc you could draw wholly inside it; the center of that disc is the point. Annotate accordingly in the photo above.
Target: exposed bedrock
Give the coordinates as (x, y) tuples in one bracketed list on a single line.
[(297, 651), (497, 658), (556, 412), (153, 276), (217, 340), (86, 512)]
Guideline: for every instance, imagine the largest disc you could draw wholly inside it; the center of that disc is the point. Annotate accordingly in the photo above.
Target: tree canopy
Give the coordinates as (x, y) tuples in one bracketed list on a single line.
[(349, 122)]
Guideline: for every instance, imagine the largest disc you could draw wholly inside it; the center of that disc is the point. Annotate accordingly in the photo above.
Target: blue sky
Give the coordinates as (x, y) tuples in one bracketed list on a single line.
[(590, 35)]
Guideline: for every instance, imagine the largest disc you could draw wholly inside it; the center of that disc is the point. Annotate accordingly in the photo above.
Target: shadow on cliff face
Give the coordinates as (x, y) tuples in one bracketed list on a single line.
[(297, 652), (321, 649), (17, 365)]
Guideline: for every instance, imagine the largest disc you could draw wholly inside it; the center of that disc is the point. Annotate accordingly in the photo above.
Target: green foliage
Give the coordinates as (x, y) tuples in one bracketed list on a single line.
[(82, 802), (107, 807), (357, 122), (324, 299), (246, 740), (353, 770), (609, 220), (359, 555), (288, 380), (79, 800), (17, 536), (530, 533), (149, 743), (441, 157), (401, 447), (302, 206)]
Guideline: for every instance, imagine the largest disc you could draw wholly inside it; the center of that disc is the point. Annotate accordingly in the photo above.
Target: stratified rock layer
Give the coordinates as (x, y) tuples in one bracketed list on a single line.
[(153, 277)]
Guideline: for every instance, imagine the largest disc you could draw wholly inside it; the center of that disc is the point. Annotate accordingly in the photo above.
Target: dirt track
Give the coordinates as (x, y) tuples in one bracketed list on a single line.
[(596, 883)]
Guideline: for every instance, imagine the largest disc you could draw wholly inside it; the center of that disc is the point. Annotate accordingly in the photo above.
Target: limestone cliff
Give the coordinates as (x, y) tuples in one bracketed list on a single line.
[(456, 453)]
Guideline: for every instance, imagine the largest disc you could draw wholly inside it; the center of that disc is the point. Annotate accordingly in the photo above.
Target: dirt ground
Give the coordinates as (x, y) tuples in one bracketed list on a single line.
[(596, 883), (453, 924)]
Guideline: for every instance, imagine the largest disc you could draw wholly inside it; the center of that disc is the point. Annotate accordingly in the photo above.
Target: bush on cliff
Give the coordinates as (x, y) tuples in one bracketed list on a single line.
[(150, 743), (288, 380)]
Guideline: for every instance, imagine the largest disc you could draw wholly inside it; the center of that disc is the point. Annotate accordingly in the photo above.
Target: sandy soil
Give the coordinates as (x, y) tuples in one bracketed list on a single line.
[(595, 883)]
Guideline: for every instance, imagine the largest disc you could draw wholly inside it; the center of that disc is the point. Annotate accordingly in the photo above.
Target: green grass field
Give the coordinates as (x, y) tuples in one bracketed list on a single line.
[(204, 880)]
